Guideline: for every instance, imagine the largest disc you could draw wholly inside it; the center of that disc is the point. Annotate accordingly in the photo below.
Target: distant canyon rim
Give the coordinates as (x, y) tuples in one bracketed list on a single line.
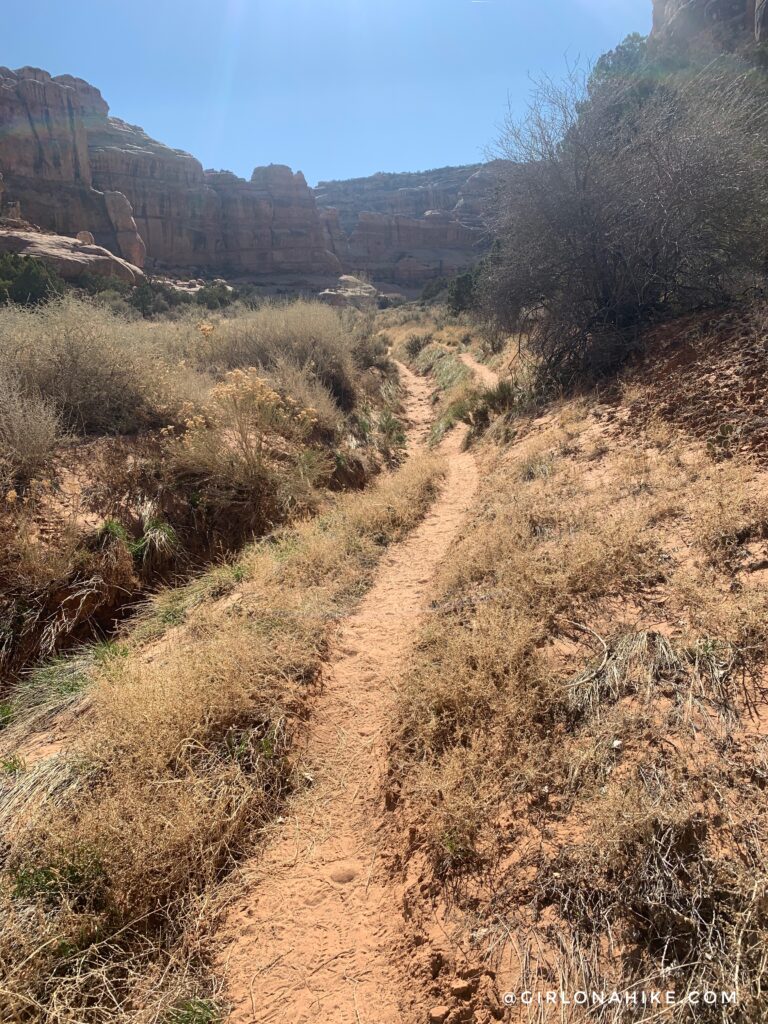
[(68, 167)]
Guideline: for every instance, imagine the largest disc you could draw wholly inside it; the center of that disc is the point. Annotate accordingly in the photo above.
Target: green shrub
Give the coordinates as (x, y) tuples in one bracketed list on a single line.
[(415, 343), (27, 281), (214, 296), (433, 288), (461, 293)]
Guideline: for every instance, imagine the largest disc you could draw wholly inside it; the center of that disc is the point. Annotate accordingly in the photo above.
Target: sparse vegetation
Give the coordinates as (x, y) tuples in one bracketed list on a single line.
[(573, 725), (576, 774), (182, 759), (131, 449)]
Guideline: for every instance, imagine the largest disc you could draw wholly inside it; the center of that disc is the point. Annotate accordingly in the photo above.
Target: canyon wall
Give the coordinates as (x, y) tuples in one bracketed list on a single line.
[(71, 168), (412, 250), (45, 162), (411, 227), (210, 220), (410, 194)]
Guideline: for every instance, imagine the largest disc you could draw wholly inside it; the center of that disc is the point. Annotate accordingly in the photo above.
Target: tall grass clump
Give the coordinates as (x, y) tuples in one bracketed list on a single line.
[(101, 373), (131, 449), (320, 341), (30, 433)]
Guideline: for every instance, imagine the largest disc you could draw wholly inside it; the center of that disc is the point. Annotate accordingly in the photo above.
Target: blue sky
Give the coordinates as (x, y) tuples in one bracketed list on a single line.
[(335, 88)]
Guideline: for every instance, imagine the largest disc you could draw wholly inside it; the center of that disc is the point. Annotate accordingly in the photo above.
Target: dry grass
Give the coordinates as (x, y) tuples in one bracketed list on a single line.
[(577, 729), (30, 433), (101, 373), (165, 462), (110, 849), (327, 345)]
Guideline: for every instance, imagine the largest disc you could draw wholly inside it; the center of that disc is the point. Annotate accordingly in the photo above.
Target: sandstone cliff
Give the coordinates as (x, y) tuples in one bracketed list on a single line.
[(409, 250), (45, 161), (409, 228), (410, 194), (210, 220), (73, 168)]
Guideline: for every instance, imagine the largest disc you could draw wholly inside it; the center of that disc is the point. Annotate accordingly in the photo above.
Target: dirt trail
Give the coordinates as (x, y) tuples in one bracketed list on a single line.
[(316, 935), (483, 373)]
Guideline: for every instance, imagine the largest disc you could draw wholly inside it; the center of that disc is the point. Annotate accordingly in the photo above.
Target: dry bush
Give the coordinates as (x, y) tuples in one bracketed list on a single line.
[(30, 433), (201, 466), (52, 591), (730, 511), (319, 340), (100, 372), (248, 455), (300, 383), (109, 850), (626, 200)]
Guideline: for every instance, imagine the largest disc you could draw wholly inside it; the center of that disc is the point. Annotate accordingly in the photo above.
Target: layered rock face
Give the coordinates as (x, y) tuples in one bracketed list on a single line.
[(398, 195), (410, 250), (409, 228), (210, 220), (45, 162), (723, 24), (73, 168)]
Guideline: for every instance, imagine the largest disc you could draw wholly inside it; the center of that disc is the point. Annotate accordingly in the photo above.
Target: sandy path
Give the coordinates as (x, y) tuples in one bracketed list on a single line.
[(315, 936), (483, 373)]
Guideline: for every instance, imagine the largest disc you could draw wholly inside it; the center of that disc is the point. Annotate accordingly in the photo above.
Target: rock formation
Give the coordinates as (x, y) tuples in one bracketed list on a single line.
[(73, 169), (210, 220), (45, 161), (351, 291), (398, 195), (409, 228), (409, 250), (69, 257), (722, 24)]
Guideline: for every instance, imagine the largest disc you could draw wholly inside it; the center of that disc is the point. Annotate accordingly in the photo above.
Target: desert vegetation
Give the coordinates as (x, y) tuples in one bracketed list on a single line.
[(196, 488), (139, 761), (633, 194), (134, 450), (579, 734), (112, 847)]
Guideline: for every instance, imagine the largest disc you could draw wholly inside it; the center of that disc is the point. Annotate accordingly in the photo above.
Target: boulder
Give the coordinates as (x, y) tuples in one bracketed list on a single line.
[(129, 241), (70, 258), (351, 291)]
